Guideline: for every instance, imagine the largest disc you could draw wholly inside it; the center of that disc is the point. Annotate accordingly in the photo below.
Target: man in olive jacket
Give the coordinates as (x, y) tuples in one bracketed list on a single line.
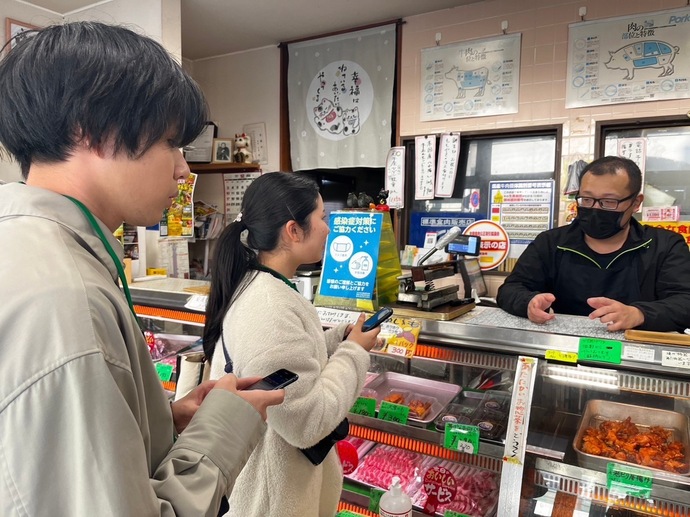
[(604, 264), (95, 116)]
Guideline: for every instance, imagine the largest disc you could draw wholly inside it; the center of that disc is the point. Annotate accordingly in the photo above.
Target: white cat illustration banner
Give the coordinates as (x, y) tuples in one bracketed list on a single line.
[(340, 97)]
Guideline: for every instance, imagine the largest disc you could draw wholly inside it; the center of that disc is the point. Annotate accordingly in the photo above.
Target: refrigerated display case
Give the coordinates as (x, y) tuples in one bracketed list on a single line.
[(537, 459)]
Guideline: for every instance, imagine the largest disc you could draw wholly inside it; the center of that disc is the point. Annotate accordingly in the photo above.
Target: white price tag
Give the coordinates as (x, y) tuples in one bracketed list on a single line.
[(197, 302), (675, 358), (396, 350), (332, 317), (638, 353)]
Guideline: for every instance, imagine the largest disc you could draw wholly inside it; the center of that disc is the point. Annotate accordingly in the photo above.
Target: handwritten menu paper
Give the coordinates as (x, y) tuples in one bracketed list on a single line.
[(600, 350), (448, 155), (424, 166), (395, 177)]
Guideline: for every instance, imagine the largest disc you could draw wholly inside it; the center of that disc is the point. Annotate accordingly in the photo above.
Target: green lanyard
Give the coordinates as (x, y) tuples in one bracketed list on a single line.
[(118, 265), (270, 271)]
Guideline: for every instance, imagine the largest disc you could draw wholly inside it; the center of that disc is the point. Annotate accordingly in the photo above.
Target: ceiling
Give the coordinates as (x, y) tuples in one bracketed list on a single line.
[(217, 27)]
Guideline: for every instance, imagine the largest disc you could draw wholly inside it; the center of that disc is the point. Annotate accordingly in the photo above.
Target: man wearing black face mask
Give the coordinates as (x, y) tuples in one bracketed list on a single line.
[(605, 264)]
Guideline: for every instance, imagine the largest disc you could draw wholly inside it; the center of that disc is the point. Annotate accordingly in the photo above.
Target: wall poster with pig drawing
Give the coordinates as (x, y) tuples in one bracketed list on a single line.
[(471, 79), (635, 58)]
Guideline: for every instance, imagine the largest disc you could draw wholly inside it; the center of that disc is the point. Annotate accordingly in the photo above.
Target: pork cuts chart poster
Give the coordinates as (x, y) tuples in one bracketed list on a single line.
[(471, 79), (629, 59)]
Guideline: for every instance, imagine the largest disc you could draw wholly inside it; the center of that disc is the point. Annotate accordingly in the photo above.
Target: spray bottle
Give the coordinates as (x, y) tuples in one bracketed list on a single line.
[(395, 502)]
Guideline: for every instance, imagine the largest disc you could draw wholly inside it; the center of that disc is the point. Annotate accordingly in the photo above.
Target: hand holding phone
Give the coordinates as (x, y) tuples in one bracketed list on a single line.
[(377, 319), (275, 381)]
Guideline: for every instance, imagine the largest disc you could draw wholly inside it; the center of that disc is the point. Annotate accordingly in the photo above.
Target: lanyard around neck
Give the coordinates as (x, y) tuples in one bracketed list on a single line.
[(274, 273), (116, 260)]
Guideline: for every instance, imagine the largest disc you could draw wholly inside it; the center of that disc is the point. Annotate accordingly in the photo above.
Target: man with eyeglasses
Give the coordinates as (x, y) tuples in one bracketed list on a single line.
[(604, 264)]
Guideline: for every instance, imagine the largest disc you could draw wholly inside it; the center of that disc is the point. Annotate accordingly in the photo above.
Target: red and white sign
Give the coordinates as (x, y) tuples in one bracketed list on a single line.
[(495, 243), (440, 486), (348, 456)]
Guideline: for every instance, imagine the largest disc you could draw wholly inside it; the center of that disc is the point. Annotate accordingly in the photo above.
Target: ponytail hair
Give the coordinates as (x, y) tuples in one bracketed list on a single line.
[(270, 202)]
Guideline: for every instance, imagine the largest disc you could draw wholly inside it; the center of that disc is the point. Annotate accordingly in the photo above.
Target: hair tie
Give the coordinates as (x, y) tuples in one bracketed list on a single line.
[(238, 219)]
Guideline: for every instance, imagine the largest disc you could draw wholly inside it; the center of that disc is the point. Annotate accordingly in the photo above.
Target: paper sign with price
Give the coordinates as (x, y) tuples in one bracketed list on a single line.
[(461, 438), (623, 481), (440, 486), (364, 406), (451, 513), (393, 412), (600, 350), (374, 499), (164, 371)]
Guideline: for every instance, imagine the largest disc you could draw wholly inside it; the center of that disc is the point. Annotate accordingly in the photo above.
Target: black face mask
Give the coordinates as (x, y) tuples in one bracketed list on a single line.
[(599, 224)]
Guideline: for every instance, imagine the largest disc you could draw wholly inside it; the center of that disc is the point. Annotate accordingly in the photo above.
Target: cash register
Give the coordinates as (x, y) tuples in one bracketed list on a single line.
[(421, 284)]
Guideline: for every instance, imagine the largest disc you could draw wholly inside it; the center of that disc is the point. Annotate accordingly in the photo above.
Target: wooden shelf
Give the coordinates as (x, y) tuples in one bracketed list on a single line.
[(220, 168)]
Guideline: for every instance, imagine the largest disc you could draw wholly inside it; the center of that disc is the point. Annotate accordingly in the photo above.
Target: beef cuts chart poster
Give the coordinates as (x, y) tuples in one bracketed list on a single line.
[(629, 59), (471, 79)]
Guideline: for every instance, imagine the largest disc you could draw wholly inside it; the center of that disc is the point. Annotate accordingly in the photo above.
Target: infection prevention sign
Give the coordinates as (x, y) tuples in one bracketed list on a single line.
[(352, 255)]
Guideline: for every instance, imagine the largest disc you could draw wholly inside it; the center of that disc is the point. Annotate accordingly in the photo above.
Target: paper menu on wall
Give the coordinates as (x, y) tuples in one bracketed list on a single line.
[(425, 166), (235, 185), (395, 177), (448, 155)]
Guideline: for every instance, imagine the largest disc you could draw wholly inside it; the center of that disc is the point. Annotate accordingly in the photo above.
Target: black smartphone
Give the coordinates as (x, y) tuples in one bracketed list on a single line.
[(379, 317), (277, 380)]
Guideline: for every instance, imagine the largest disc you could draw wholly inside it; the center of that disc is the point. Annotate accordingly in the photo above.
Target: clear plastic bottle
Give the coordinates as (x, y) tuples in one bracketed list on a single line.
[(395, 502)]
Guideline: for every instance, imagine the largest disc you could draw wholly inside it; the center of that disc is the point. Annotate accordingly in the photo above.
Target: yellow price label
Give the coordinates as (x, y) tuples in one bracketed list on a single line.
[(557, 355)]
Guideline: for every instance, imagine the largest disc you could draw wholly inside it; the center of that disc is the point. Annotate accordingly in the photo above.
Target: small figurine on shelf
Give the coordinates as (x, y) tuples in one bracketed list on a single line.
[(243, 149), (352, 200), (364, 200), (382, 201)]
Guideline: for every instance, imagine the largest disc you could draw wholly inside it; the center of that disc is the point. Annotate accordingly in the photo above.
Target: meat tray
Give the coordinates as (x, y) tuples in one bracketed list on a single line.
[(596, 411), (442, 392)]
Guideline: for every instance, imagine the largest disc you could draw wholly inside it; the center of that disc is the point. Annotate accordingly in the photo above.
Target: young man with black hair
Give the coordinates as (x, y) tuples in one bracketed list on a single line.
[(95, 116), (604, 264)]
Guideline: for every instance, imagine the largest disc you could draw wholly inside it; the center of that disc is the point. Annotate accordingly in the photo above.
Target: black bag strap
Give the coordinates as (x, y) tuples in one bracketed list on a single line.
[(228, 361)]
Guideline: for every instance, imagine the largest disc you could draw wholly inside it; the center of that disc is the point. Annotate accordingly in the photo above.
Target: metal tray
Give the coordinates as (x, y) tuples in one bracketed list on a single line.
[(596, 411), (443, 392)]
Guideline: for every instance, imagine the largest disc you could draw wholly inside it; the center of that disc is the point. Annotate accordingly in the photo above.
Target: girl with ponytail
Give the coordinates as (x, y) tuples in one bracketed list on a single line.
[(257, 322)]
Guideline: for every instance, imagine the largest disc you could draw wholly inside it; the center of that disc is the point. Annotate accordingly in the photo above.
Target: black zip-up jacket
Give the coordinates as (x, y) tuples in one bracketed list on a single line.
[(650, 272)]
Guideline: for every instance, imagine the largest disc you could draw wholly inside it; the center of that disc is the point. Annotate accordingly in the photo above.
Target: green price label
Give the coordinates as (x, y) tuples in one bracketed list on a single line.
[(374, 499), (600, 350), (164, 371), (393, 412), (564, 357), (622, 480), (461, 438), (364, 406), (348, 513), (451, 513)]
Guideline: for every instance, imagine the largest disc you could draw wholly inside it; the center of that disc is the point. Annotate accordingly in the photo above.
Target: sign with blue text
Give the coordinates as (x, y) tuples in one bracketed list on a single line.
[(352, 255)]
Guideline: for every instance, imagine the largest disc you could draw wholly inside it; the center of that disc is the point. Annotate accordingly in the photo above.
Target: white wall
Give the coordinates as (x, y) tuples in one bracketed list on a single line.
[(9, 170), (241, 88), (159, 19)]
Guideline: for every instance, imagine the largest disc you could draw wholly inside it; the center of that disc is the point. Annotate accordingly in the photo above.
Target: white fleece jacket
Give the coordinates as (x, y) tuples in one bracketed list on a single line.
[(268, 327)]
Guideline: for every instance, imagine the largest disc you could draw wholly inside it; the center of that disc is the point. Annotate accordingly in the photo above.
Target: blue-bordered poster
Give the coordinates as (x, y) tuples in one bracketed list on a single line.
[(643, 57), (471, 79), (352, 255)]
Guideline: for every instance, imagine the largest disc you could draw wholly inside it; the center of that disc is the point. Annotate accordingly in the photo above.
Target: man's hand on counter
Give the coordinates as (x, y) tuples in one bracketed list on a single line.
[(616, 315), (538, 308)]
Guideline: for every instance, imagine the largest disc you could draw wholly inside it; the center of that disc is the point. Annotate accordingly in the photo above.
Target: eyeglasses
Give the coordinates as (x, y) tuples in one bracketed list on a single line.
[(604, 203)]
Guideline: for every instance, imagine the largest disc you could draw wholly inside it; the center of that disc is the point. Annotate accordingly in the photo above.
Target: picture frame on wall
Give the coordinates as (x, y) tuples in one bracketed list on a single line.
[(15, 31), (222, 150), (201, 149)]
